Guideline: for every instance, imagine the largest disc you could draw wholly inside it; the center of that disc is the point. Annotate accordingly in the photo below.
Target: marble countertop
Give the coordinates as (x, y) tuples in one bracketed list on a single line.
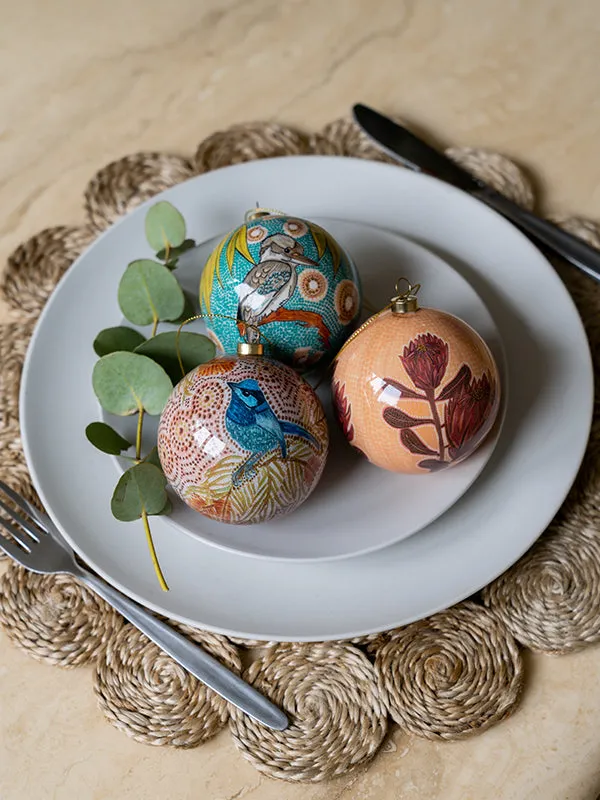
[(84, 83)]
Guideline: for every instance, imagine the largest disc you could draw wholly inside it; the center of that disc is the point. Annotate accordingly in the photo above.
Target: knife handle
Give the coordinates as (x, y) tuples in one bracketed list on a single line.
[(573, 249)]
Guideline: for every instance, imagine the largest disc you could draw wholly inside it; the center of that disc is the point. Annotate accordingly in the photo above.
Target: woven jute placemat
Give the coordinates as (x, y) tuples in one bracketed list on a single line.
[(447, 677)]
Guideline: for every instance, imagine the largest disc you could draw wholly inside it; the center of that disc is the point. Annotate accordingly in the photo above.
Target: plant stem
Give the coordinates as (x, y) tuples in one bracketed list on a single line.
[(436, 421), (138, 434), (153, 556), (154, 327), (138, 455)]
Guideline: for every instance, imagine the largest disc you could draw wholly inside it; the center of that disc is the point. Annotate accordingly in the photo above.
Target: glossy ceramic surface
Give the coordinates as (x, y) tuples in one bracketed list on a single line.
[(243, 440), (519, 492), (330, 524), (286, 279), (417, 392)]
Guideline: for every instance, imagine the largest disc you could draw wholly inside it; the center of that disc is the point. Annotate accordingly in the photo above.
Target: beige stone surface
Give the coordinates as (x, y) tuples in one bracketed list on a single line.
[(85, 82)]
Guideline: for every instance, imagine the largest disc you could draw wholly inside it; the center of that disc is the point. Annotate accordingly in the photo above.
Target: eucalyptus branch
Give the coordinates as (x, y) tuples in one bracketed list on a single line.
[(136, 374)]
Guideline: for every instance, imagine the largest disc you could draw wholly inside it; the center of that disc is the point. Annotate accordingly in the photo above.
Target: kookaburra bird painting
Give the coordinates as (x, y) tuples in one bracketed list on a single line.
[(271, 283), (284, 281)]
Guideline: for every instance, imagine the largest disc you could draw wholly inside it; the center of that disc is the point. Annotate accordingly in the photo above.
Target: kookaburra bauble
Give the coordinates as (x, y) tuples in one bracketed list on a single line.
[(285, 282)]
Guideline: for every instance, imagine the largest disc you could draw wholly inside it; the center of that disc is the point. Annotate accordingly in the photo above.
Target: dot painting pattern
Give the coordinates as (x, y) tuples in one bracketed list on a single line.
[(243, 440), (289, 280)]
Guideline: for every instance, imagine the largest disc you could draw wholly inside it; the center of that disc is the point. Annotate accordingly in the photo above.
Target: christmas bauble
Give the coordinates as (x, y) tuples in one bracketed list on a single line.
[(243, 439), (284, 281), (416, 389)]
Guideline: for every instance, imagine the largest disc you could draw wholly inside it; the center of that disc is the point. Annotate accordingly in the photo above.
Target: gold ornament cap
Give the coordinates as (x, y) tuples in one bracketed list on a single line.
[(405, 302), (251, 345), (250, 349)]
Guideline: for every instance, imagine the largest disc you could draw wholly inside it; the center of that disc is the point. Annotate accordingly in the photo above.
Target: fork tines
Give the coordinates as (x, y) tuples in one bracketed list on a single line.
[(26, 531)]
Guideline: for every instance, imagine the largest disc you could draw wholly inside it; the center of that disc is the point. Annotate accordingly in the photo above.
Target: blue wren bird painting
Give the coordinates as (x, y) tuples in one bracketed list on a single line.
[(251, 422), (243, 440), (284, 281)]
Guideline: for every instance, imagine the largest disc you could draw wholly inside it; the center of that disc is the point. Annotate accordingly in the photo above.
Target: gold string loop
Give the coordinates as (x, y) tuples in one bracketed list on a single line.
[(245, 347), (259, 212)]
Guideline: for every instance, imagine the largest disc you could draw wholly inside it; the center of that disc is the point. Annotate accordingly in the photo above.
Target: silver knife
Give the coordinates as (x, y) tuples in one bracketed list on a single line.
[(414, 153)]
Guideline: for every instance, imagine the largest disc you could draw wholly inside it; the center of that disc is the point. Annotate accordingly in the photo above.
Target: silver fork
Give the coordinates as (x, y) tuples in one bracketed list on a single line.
[(35, 543)]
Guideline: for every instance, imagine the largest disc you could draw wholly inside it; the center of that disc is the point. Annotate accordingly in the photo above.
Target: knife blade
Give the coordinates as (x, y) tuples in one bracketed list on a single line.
[(412, 152)]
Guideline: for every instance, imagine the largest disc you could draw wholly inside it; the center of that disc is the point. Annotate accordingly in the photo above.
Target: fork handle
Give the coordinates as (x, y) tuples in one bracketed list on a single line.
[(191, 656)]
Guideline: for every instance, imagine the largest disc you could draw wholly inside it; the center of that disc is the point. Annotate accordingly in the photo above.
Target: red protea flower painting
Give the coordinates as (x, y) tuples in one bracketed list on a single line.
[(465, 403), (342, 406), (466, 412), (425, 359)]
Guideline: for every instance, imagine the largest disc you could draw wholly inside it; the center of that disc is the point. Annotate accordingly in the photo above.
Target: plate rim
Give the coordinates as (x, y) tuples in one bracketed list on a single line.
[(550, 274)]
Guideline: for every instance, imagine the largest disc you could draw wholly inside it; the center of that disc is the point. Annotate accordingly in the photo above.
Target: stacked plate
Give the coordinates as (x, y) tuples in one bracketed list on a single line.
[(369, 550)]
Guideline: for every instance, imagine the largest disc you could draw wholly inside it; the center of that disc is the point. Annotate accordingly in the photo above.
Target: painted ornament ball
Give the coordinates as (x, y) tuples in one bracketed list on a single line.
[(286, 278), (243, 439), (416, 392)]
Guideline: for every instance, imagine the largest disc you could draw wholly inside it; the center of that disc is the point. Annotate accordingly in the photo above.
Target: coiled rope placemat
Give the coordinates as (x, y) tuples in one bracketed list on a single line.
[(446, 677)]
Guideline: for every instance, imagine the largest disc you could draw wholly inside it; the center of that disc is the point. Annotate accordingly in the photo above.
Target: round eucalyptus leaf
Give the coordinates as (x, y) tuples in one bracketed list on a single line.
[(190, 309), (194, 349), (165, 227), (148, 291), (152, 458), (111, 340), (175, 252), (166, 509), (106, 438), (141, 488), (128, 382)]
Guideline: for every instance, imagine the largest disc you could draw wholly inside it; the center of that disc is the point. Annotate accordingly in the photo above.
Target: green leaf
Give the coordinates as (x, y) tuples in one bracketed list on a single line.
[(110, 340), (166, 509), (106, 438), (152, 458), (194, 348), (165, 227), (189, 309), (141, 488), (127, 382), (175, 252), (148, 291)]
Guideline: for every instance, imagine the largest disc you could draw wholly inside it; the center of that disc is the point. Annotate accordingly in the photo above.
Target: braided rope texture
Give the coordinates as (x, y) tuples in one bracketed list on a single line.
[(447, 677), (452, 675), (329, 692), (146, 694), (55, 618)]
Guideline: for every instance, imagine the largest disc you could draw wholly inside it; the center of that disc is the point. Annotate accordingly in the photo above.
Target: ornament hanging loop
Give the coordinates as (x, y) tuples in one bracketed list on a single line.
[(259, 212), (405, 302), (245, 348)]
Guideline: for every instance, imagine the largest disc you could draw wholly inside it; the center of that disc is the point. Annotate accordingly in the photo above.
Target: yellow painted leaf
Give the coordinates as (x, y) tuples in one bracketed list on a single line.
[(241, 244), (211, 270), (218, 478), (218, 261), (335, 253), (206, 282), (320, 238), (230, 252)]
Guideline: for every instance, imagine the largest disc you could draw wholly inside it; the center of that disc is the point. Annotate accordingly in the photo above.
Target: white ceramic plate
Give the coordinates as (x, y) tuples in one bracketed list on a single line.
[(331, 524), (535, 462)]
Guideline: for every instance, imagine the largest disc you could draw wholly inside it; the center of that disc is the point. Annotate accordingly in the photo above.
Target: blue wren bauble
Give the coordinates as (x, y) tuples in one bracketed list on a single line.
[(243, 439), (285, 281)]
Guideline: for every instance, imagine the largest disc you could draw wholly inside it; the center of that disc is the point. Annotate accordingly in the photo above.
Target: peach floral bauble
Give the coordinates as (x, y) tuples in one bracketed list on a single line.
[(416, 392)]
